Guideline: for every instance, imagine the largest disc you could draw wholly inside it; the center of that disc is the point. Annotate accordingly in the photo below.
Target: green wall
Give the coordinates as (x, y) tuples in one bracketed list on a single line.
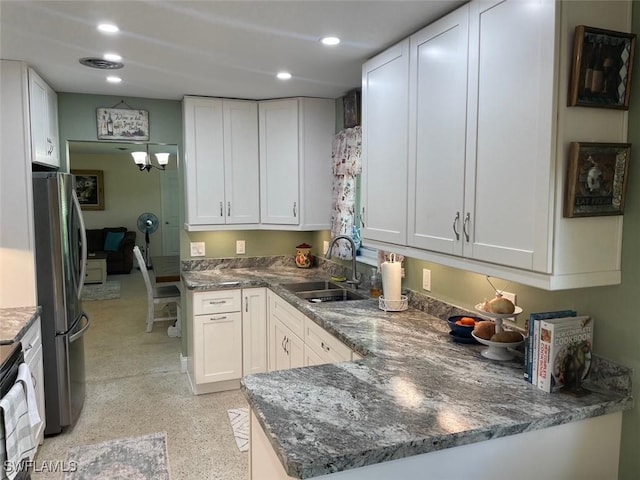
[(257, 243), (77, 118)]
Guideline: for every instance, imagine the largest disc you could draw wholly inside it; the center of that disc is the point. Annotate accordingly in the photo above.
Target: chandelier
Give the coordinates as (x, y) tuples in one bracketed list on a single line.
[(143, 160)]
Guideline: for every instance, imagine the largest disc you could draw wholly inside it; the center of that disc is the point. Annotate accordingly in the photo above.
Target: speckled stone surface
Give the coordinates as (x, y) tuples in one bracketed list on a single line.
[(415, 392), (14, 322)]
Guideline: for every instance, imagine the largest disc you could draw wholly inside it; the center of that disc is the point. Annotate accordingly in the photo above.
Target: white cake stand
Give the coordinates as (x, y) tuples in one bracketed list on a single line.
[(498, 350)]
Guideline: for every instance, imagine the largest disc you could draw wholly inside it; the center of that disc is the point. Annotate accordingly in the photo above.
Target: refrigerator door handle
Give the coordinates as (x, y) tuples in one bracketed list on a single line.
[(83, 266), (82, 331)]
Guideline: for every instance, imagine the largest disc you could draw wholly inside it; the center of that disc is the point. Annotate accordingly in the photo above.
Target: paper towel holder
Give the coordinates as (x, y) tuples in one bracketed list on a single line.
[(393, 305)]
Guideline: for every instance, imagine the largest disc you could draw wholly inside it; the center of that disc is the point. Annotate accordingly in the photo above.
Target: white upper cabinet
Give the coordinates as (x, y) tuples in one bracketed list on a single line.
[(385, 86), (488, 140), (295, 162), (43, 110), (437, 133), (221, 162)]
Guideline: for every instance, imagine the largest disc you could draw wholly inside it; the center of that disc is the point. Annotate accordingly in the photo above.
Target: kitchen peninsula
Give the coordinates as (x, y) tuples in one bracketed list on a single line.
[(417, 401)]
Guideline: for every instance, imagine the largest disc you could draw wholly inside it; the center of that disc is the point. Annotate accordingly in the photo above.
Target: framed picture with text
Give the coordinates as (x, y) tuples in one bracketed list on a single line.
[(596, 181)]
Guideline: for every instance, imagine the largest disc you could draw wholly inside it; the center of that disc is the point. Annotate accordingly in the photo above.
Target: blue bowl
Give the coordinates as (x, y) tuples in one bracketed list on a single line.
[(461, 330)]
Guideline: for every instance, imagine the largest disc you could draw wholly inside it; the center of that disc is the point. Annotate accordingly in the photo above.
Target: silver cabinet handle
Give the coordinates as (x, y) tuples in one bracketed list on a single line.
[(28, 347), (213, 319), (217, 302), (246, 304), (287, 345), (50, 142), (325, 347), (362, 218), (294, 210), (467, 219), (455, 225), (228, 209), (221, 210)]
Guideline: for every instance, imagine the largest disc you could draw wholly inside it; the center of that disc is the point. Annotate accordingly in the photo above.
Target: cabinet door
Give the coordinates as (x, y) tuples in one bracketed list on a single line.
[(204, 161), (43, 110), (295, 350), (510, 125), (278, 355), (241, 166), (437, 132), (312, 358), (217, 347), (254, 331), (279, 173), (385, 86)]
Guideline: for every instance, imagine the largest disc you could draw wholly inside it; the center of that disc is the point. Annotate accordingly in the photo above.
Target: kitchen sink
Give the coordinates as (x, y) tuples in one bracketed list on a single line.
[(311, 286), (322, 291)]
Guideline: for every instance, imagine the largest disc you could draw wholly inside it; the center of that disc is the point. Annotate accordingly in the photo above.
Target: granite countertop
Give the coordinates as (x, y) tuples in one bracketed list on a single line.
[(416, 391), (14, 322)]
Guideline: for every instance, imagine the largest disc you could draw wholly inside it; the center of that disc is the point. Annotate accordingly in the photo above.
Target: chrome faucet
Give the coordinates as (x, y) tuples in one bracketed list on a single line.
[(355, 276)]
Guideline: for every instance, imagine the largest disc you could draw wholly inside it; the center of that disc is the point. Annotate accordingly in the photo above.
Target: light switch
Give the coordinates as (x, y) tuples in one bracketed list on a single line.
[(197, 249)]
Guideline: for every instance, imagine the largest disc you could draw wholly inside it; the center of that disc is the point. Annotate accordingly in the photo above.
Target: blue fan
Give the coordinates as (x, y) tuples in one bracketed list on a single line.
[(147, 224)]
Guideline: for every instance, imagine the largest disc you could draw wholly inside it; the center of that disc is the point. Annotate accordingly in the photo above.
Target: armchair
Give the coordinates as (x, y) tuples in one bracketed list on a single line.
[(119, 254)]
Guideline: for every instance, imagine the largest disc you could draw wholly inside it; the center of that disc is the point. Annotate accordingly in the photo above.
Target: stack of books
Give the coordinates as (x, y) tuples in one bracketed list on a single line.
[(558, 350)]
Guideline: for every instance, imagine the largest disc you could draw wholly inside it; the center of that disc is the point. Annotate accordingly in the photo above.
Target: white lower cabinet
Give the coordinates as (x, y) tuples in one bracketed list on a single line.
[(227, 337), (296, 341), (286, 327), (254, 331), (32, 348)]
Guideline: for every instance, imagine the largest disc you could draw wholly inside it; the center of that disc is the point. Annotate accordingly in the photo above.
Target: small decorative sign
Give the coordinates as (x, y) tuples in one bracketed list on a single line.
[(122, 124), (596, 179)]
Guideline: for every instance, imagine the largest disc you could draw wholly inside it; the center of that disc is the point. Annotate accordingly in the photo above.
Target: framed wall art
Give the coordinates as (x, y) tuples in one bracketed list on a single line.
[(601, 69), (122, 124), (351, 106), (596, 181), (90, 189)]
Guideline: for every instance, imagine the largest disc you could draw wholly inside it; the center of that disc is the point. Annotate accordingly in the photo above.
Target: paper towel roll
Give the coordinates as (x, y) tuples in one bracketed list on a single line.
[(391, 279)]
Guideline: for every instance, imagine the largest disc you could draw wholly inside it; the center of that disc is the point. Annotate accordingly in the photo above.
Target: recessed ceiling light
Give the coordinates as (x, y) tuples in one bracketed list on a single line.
[(108, 28), (283, 75), (114, 79), (330, 40), (112, 57)]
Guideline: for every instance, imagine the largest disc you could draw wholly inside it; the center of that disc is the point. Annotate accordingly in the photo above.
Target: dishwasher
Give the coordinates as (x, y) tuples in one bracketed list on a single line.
[(11, 356)]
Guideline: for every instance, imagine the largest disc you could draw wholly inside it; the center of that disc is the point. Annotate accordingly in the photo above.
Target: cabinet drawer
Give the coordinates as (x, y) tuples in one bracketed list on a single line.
[(288, 315), (31, 340), (220, 301), (324, 344)]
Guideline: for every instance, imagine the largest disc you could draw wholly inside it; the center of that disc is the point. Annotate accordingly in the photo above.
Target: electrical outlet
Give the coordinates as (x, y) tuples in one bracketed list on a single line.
[(426, 279), (325, 246), (514, 299), (510, 296), (240, 247), (197, 249)]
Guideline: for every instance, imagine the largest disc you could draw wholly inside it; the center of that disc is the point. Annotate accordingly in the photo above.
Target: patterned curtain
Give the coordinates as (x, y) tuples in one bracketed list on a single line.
[(345, 157)]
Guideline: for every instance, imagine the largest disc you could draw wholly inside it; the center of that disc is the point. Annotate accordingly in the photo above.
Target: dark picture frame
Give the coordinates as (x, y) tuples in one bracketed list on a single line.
[(351, 105), (596, 182), (602, 67), (90, 189)]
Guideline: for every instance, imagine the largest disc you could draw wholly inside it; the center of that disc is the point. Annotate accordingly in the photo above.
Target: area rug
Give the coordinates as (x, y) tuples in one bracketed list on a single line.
[(130, 458), (239, 418), (97, 291)]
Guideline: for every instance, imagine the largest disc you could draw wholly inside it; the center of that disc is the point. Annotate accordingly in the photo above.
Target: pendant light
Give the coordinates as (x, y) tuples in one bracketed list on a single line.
[(143, 160)]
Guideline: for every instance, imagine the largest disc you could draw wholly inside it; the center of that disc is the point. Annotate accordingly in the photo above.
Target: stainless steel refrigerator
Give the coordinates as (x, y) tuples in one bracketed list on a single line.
[(61, 255)]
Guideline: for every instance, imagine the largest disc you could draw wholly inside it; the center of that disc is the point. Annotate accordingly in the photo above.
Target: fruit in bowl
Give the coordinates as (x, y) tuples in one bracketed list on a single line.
[(462, 325)]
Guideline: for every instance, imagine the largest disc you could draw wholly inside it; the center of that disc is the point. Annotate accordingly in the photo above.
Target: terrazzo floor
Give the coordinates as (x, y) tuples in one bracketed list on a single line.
[(135, 387)]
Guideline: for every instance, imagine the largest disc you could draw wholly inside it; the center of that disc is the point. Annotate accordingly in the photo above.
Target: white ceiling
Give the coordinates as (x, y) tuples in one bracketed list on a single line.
[(213, 48)]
